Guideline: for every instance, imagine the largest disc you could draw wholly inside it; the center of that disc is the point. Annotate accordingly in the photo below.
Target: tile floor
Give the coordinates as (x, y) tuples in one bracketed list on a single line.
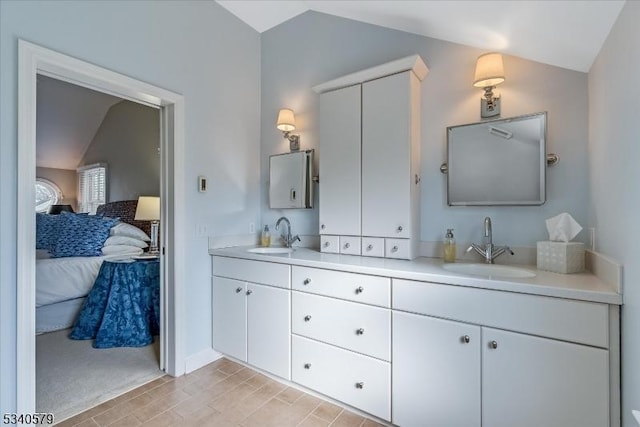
[(220, 394)]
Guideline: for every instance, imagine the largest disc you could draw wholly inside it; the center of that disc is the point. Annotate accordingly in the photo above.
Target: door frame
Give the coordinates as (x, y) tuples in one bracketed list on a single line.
[(33, 60)]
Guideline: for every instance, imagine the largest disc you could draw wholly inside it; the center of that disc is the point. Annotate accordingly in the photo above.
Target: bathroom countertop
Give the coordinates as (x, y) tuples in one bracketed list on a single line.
[(579, 286)]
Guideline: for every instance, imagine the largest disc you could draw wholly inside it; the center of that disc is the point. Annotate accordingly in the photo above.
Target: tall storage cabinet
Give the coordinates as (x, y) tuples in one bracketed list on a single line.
[(370, 161)]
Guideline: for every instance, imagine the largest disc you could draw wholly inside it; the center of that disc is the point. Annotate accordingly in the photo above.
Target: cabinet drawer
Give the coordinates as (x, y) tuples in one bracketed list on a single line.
[(350, 325), (564, 319), (350, 245), (330, 244), (354, 379), (350, 286), (373, 246), (266, 273), (396, 248)]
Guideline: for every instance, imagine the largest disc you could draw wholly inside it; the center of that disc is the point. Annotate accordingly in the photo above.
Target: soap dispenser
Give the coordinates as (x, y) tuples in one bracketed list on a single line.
[(449, 246), (265, 238)]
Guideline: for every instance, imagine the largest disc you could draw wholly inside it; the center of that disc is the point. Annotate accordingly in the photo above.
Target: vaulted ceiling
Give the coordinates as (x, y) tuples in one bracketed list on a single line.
[(67, 119), (566, 34)]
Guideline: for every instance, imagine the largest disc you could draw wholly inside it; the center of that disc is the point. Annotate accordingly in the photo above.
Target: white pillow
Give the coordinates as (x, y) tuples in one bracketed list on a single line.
[(128, 230), (121, 249), (125, 240)]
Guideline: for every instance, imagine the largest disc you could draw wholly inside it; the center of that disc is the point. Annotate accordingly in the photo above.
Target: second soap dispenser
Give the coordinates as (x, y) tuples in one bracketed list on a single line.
[(449, 246)]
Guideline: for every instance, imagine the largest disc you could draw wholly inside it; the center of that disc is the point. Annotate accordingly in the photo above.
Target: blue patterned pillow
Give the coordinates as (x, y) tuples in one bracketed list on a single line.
[(46, 230), (81, 235)]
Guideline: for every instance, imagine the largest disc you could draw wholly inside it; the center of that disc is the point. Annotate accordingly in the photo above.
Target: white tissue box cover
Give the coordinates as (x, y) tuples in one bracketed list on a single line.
[(561, 257)]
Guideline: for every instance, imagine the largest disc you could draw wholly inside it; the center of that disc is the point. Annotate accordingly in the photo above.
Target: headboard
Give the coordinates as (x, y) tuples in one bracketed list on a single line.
[(126, 211)]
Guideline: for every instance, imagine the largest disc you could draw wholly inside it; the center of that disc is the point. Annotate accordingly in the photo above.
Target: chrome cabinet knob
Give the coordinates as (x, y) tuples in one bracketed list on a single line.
[(360, 331), (347, 245), (394, 249), (493, 344), (399, 229), (360, 385), (307, 366), (306, 281), (307, 318), (238, 290), (466, 339), (359, 290), (326, 244), (322, 227), (249, 292), (370, 247)]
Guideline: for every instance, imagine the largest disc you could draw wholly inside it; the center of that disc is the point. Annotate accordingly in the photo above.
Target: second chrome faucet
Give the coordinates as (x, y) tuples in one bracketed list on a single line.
[(489, 252), (287, 238)]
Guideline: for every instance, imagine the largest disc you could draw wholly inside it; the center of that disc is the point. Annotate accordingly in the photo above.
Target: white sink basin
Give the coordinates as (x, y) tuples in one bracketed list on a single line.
[(270, 251), (490, 270)]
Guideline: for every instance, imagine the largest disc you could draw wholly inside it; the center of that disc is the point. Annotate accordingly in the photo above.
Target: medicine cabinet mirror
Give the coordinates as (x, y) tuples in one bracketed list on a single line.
[(497, 162), (291, 180)]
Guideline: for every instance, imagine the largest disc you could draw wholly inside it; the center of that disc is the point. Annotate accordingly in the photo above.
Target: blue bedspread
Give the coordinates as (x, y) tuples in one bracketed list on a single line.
[(123, 307)]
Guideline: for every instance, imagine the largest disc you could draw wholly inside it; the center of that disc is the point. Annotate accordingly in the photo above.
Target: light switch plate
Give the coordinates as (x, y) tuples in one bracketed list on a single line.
[(202, 184)]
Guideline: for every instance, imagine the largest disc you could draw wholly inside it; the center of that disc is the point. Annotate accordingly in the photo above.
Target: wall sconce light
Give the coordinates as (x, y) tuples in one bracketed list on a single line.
[(489, 74), (287, 123)]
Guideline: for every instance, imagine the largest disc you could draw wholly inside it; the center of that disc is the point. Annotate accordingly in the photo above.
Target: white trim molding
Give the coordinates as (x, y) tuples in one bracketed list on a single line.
[(34, 60)]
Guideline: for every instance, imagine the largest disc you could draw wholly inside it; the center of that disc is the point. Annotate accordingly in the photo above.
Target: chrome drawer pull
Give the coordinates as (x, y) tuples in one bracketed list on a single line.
[(466, 339), (326, 244), (238, 290), (359, 290), (360, 331), (306, 281), (307, 318), (399, 228), (347, 245), (360, 385), (307, 366), (249, 292), (493, 344), (394, 249)]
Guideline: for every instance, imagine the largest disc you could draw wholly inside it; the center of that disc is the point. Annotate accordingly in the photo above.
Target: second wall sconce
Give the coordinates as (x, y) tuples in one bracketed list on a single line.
[(489, 74), (287, 123)]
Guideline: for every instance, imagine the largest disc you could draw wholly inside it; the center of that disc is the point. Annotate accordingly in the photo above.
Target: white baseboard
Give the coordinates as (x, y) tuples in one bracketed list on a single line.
[(200, 359)]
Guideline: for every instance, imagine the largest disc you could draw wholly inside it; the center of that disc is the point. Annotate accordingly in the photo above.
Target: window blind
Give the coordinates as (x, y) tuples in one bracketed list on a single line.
[(92, 187)]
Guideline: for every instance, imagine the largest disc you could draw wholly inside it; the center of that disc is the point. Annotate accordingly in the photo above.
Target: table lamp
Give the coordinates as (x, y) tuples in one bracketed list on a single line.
[(148, 209)]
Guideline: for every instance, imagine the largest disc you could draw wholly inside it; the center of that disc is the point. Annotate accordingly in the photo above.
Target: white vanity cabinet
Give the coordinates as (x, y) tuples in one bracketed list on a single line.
[(436, 372), (341, 342), (370, 162), (453, 372), (251, 321)]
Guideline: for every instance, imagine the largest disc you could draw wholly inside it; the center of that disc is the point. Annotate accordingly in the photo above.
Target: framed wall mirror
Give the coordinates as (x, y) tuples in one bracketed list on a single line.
[(497, 162), (290, 180)]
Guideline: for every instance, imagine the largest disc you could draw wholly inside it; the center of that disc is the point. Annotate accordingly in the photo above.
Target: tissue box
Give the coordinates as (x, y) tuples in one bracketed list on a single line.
[(561, 257)]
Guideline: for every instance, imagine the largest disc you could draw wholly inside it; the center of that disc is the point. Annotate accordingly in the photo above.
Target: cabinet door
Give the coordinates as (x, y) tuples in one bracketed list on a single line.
[(386, 156), (268, 329), (436, 372), (340, 148), (230, 317), (529, 381)]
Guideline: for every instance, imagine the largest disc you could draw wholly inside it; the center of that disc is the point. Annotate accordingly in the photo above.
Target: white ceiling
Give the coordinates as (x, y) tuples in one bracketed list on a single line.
[(67, 119), (567, 34)]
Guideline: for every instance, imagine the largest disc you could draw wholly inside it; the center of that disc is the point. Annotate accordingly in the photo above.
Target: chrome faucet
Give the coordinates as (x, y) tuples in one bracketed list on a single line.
[(287, 239), (489, 252)]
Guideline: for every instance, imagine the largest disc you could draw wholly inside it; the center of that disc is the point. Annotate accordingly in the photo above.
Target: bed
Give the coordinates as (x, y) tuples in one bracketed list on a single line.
[(62, 284)]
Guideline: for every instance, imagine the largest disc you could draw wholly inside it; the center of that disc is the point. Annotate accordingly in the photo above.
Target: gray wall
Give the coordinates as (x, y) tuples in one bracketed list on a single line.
[(194, 48), (614, 137), (322, 47), (128, 140), (66, 180)]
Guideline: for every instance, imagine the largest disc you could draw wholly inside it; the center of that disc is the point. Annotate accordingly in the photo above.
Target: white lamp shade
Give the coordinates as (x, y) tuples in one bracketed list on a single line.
[(148, 208), (286, 120), (489, 70)]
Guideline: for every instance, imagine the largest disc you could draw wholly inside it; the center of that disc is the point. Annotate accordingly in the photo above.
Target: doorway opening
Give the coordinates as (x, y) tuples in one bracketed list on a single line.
[(33, 61)]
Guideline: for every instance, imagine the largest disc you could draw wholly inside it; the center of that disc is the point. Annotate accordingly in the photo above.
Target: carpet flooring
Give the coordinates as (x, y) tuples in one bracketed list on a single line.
[(72, 376)]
